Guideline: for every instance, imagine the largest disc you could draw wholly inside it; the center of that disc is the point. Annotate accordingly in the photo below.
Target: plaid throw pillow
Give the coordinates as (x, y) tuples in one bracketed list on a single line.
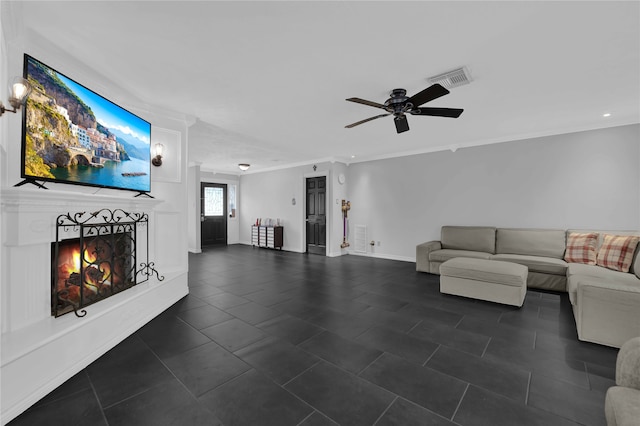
[(581, 248), (616, 252)]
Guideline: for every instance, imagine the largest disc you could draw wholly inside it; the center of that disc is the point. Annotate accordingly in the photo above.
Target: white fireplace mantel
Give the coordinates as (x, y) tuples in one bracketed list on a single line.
[(25, 199), (30, 213)]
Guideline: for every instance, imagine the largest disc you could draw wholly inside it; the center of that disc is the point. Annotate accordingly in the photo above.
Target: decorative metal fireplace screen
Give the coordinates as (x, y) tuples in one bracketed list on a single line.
[(99, 260)]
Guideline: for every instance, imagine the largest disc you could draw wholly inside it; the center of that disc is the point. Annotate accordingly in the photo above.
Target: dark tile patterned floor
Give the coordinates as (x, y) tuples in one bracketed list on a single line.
[(276, 338)]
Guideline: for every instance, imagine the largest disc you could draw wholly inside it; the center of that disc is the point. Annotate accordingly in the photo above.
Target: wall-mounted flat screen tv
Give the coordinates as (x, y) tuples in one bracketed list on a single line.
[(73, 135)]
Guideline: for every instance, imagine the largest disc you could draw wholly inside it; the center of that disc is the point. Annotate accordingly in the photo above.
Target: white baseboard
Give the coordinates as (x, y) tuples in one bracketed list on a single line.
[(344, 252), (384, 256)]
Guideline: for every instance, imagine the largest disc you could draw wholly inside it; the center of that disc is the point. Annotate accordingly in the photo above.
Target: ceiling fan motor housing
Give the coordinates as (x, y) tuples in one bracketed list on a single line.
[(398, 93), (397, 103)]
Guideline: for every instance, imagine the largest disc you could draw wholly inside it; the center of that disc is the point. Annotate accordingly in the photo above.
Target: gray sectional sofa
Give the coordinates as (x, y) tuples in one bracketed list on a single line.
[(606, 303)]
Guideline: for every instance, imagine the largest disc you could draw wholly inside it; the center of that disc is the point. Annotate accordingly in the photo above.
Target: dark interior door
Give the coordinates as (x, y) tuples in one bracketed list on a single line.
[(213, 213), (316, 215)]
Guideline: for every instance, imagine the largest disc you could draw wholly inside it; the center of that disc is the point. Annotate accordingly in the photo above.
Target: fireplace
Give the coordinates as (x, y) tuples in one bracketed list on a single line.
[(91, 268), (99, 261)]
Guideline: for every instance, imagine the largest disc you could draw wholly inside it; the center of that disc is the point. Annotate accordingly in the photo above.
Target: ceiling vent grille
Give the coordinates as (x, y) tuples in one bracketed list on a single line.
[(451, 79)]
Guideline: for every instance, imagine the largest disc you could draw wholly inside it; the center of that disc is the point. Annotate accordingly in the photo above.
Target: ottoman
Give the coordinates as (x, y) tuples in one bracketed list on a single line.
[(491, 280)]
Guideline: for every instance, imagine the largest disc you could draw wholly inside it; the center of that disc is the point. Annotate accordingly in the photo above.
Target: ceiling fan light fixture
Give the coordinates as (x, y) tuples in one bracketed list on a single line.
[(244, 166), (399, 105)]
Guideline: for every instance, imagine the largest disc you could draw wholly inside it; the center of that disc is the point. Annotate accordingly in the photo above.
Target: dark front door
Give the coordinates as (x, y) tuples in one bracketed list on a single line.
[(213, 213), (316, 215)]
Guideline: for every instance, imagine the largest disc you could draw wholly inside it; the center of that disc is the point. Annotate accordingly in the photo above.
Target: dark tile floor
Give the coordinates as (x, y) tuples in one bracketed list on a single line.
[(276, 338)]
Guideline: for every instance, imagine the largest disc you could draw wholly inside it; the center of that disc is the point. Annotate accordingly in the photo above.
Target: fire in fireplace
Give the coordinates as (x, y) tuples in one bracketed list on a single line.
[(91, 268)]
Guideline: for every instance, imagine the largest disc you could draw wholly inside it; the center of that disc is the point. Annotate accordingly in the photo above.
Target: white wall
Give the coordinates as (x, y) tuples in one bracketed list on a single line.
[(3, 97), (580, 180), (4, 134), (209, 137), (270, 194), (339, 192), (193, 203)]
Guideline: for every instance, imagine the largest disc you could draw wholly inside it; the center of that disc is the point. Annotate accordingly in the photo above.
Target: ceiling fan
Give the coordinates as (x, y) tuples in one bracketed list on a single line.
[(399, 104)]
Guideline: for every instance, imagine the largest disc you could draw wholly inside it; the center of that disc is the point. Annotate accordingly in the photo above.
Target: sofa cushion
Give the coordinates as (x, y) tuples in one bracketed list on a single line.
[(446, 254), (506, 273), (635, 266), (544, 281), (581, 248), (546, 265), (531, 242), (621, 406), (472, 238), (617, 252), (600, 272), (577, 272)]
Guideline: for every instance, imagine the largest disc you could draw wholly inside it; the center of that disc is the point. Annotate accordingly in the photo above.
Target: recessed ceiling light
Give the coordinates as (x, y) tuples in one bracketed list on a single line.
[(353, 156), (606, 114)]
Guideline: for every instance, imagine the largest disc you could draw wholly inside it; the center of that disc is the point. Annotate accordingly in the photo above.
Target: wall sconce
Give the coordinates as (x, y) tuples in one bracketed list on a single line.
[(19, 90), (157, 160), (244, 166)]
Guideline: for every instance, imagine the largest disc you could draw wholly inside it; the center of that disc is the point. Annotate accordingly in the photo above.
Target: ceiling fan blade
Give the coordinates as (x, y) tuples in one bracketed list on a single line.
[(438, 112), (364, 121), (402, 125), (430, 93), (365, 102)]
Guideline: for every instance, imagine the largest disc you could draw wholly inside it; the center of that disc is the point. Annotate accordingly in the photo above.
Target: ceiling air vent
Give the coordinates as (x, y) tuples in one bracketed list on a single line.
[(454, 78)]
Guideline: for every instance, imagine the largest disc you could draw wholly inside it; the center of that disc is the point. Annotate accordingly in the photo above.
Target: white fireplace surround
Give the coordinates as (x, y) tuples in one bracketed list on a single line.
[(40, 352)]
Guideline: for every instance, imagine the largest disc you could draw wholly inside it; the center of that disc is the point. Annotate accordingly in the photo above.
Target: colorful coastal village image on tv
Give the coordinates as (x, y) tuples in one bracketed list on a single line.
[(74, 135)]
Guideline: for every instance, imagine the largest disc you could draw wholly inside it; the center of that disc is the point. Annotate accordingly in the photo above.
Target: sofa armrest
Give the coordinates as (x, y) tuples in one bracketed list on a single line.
[(628, 364), (607, 313), (422, 255)]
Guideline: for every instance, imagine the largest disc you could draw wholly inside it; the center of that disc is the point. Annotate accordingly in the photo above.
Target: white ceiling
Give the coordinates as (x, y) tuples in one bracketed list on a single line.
[(267, 81)]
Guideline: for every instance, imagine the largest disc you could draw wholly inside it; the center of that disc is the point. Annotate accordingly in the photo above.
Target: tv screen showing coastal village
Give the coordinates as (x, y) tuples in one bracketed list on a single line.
[(74, 135)]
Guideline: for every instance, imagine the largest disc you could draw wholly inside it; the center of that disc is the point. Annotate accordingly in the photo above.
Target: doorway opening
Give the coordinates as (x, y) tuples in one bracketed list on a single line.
[(213, 214), (316, 215)]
